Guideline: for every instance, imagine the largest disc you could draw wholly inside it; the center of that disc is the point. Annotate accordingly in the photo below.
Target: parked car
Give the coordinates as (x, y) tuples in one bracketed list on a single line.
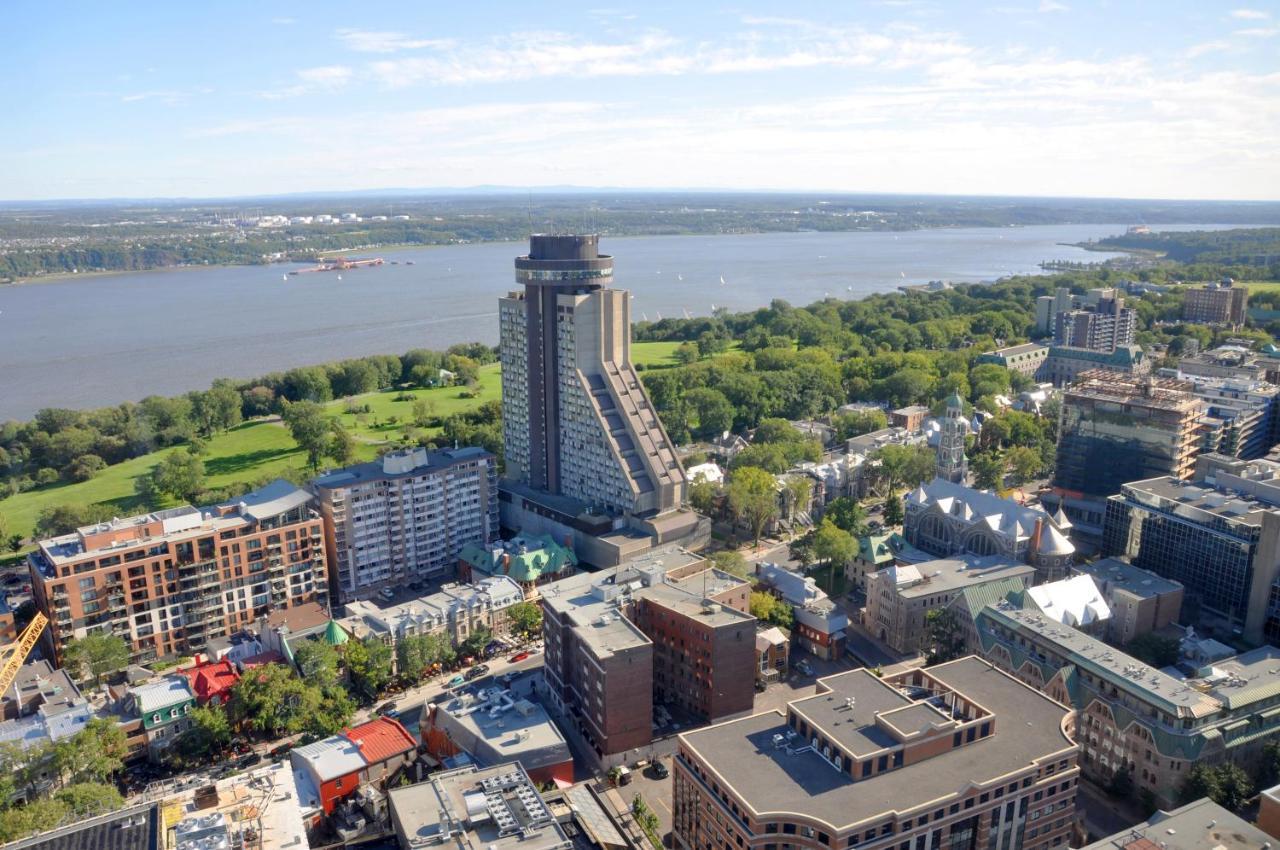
[(281, 751), (387, 709), (477, 671), (518, 657), (387, 593), (659, 770), (508, 677), (248, 760), (804, 668), (456, 682)]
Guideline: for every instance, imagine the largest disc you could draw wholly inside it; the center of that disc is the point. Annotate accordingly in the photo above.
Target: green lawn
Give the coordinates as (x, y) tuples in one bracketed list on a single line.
[(257, 449), (1262, 285)]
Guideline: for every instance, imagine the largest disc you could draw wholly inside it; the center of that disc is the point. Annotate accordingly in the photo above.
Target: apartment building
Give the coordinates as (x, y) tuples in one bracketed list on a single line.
[(585, 452), (170, 581), (653, 631), (900, 598), (1219, 303), (1131, 716), (1104, 325), (958, 755), (406, 516), (1114, 429), (1219, 537), (1242, 417)]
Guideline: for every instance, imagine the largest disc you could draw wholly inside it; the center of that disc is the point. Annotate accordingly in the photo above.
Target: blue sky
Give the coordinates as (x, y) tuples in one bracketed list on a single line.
[(1030, 97)]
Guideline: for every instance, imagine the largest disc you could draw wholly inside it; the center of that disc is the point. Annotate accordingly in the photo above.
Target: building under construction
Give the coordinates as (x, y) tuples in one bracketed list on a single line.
[(1117, 428)]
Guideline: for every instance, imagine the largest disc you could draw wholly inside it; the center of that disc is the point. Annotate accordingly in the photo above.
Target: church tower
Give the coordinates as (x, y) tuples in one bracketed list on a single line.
[(952, 465)]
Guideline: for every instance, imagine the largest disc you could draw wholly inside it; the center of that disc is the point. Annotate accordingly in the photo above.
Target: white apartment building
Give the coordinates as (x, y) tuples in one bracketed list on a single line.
[(406, 516)]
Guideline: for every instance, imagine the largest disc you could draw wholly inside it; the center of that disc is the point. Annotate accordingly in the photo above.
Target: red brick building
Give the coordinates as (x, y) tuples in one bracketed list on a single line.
[(959, 755), (657, 629), (169, 582)]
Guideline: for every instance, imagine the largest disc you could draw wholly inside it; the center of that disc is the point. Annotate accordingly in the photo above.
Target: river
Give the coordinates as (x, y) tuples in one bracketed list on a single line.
[(94, 341)]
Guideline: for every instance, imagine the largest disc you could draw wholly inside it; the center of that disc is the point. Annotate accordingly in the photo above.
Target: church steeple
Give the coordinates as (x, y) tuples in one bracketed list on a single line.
[(952, 464)]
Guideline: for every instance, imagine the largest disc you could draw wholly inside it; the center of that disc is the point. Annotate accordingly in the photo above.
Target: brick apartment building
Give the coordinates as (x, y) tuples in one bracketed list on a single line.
[(959, 755), (1216, 304), (168, 582), (649, 631)]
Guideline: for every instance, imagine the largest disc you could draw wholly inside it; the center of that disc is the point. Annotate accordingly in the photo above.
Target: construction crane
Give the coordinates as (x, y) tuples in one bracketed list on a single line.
[(16, 653)]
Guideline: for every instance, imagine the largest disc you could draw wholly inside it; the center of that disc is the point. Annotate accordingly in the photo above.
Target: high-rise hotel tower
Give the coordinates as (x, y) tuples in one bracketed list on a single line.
[(583, 443)]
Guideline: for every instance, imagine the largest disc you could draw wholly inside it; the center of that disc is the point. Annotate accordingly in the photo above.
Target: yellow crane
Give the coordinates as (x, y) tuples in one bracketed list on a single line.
[(16, 653)]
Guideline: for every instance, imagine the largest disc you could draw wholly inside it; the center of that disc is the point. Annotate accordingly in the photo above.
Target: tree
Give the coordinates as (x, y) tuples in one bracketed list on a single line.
[(753, 498), (90, 799), (309, 426), (476, 641), (210, 732), (833, 545), (217, 409), (95, 655), (317, 662), (1121, 783), (710, 413), (84, 468), (368, 664), (526, 618), (945, 641), (1025, 462), (732, 562), (702, 495), (799, 493), (907, 465), (94, 754), (846, 513), (342, 446), (988, 470), (424, 412), (859, 422), (893, 511), (272, 701), (415, 653), (767, 608), (35, 816), (179, 474), (62, 519)]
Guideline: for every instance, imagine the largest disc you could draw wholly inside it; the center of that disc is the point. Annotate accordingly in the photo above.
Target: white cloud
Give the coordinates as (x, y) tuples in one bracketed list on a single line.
[(1258, 32), (1250, 14), (1052, 6), (367, 41), (1197, 50), (325, 78), (780, 44), (284, 22)]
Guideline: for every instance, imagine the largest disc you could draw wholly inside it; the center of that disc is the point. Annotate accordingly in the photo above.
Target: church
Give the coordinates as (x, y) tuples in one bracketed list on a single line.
[(947, 517)]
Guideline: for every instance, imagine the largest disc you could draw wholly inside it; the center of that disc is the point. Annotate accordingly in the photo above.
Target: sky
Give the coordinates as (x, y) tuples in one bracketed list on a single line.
[(1124, 98)]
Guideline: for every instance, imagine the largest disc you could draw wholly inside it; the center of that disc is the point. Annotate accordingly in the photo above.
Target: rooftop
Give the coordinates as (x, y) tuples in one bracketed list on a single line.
[(263, 801), (1153, 393), (489, 592), (162, 693), (1003, 516), (501, 728), (1074, 601), (1014, 350), (135, 828), (1096, 657), (497, 808), (1112, 572), (944, 575), (1197, 502), (778, 781), (174, 524), (399, 465), (1202, 825)]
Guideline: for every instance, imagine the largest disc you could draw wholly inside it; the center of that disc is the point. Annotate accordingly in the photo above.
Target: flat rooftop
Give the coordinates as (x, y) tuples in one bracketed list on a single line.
[(495, 808), (1140, 391), (708, 582), (1198, 502), (387, 469), (1024, 348), (742, 755), (509, 727), (944, 575), (1093, 655), (1126, 576), (1202, 825), (857, 729)]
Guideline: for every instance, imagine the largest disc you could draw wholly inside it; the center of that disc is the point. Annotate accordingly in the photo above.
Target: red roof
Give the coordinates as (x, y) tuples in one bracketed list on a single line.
[(211, 680), (381, 739)]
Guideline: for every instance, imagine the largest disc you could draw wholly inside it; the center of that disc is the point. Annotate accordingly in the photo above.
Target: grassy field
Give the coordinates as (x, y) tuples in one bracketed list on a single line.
[(1262, 285), (257, 449)]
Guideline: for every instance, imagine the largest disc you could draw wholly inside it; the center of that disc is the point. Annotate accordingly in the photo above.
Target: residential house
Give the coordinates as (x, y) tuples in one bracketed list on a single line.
[(332, 769)]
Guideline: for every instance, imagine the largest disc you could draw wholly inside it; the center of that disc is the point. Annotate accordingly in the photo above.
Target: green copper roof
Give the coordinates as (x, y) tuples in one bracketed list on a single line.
[(542, 556), (954, 400), (881, 548), (334, 634)]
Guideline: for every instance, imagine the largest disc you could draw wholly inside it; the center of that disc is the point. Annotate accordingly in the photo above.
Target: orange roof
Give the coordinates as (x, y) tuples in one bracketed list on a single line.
[(212, 679), (381, 739)]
